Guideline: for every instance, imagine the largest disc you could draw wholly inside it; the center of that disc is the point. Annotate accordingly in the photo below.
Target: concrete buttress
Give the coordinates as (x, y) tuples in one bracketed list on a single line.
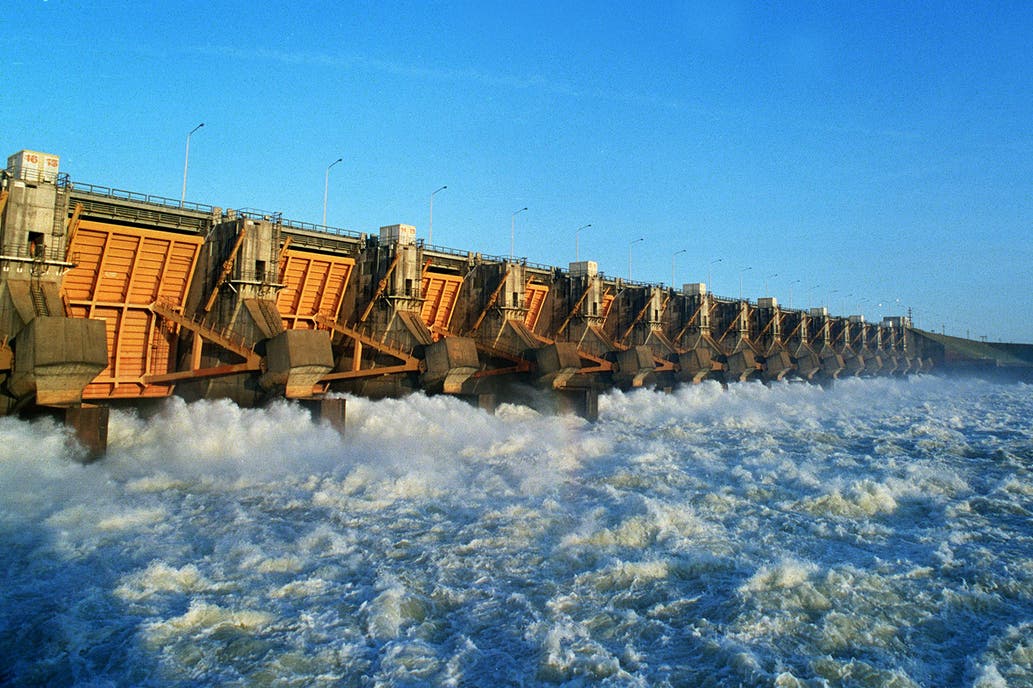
[(296, 360), (56, 357)]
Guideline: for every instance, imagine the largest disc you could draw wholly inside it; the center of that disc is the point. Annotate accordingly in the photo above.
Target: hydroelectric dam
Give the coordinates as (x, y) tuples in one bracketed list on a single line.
[(111, 298)]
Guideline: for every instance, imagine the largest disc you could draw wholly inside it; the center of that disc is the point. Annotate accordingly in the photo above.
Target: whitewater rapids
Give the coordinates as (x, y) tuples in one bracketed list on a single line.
[(876, 533)]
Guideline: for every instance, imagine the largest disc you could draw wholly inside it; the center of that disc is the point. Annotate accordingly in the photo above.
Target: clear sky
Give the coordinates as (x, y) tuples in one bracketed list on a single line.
[(866, 156)]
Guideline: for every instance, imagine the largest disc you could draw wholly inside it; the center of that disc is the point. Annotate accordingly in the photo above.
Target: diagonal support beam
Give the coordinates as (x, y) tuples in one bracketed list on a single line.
[(73, 227), (369, 372), (227, 266), (573, 311), (491, 300), (200, 329), (638, 318), (381, 286), (410, 362)]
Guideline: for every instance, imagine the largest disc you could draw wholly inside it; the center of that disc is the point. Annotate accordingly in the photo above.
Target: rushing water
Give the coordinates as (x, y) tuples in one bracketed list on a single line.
[(878, 533)]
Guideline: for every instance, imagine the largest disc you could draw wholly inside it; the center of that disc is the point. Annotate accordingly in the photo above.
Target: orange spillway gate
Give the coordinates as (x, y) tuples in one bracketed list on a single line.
[(314, 285), (440, 294), (534, 301), (120, 271)]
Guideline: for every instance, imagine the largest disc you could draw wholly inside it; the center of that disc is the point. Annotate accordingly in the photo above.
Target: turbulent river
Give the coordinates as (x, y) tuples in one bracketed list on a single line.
[(876, 533)]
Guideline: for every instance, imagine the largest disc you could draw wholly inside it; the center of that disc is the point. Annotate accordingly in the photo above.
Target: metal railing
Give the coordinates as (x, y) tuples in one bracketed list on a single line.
[(231, 339), (135, 197), (265, 278), (209, 210), (40, 253), (449, 251), (256, 214), (367, 330), (64, 182)]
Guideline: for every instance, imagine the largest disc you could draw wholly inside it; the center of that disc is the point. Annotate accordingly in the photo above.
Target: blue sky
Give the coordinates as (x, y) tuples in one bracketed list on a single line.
[(866, 156)]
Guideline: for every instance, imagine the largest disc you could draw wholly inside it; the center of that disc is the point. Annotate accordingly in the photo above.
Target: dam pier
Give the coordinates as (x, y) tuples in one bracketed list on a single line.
[(112, 298)]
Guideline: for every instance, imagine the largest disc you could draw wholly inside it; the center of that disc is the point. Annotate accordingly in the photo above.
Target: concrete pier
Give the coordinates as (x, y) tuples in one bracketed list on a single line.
[(90, 426), (332, 410)]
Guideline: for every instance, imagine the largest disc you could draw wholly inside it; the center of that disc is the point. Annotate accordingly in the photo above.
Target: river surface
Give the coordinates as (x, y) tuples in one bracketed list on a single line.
[(876, 533)]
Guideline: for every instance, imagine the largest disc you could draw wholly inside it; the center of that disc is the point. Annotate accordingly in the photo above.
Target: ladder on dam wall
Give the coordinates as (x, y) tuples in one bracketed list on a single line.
[(39, 299)]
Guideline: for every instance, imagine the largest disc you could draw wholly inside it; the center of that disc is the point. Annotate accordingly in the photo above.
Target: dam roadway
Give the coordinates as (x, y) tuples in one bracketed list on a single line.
[(112, 298)]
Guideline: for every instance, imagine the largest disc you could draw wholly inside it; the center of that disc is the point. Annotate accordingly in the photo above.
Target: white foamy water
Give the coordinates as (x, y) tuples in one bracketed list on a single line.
[(878, 533)]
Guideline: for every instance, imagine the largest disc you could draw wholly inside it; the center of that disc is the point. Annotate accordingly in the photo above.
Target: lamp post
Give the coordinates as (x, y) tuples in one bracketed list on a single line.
[(888, 301), (775, 274), (828, 298), (791, 292), (742, 270), (576, 232), (809, 290), (326, 186), (673, 256), (709, 285), (512, 231), (630, 244), (430, 227), (186, 162)]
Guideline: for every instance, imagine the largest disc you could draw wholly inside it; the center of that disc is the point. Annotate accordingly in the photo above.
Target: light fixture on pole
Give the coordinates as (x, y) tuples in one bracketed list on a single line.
[(578, 230), (709, 285), (742, 270), (630, 244), (684, 250), (186, 162), (326, 186), (430, 229), (791, 292), (774, 274), (809, 290), (512, 231)]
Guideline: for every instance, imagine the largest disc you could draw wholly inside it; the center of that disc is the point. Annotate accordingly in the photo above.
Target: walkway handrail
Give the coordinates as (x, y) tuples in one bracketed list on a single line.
[(149, 199), (257, 214)]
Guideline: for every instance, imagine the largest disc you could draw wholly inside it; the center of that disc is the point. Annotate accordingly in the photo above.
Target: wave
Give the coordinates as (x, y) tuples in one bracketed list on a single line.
[(763, 535)]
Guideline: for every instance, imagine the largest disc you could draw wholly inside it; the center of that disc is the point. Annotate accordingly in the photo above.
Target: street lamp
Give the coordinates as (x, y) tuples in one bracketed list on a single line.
[(512, 231), (809, 290), (742, 270), (186, 162), (684, 250), (430, 230), (791, 292), (326, 186), (576, 232), (630, 244), (766, 283), (709, 285)]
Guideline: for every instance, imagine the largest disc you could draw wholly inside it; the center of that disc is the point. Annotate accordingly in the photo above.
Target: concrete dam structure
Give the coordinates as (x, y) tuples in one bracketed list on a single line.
[(115, 298)]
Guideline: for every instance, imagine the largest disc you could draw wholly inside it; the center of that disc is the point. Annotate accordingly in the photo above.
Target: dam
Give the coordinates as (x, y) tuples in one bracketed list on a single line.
[(111, 298)]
